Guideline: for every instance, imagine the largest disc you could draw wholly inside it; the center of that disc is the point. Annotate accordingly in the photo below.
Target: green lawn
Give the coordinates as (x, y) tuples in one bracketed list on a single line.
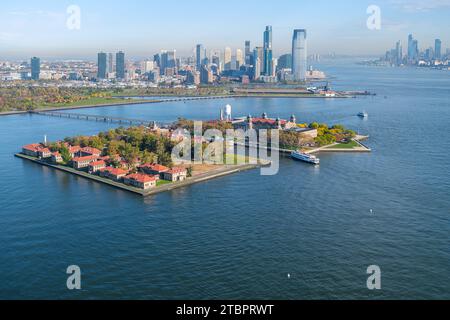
[(351, 145), (88, 102), (162, 183)]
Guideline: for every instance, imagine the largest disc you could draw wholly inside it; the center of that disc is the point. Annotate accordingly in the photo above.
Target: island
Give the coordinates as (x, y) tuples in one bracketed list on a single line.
[(139, 158)]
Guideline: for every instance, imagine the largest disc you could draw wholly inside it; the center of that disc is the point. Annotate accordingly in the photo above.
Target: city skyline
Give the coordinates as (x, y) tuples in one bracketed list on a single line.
[(40, 28)]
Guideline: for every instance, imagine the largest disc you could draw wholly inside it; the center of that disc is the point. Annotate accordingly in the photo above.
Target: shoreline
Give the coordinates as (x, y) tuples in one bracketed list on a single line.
[(214, 174), (175, 99)]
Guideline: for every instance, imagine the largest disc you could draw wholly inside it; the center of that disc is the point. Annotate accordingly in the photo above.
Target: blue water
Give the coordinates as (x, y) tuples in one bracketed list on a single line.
[(238, 237)]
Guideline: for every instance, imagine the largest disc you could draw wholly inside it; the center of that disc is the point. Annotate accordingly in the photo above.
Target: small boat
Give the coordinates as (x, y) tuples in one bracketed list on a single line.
[(298, 155), (363, 114)]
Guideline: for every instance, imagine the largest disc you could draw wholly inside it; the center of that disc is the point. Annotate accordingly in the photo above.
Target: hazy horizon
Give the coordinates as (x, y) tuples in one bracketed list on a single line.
[(143, 28)]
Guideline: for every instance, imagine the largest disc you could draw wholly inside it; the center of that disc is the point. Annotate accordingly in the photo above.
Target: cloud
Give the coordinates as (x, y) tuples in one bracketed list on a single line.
[(421, 5)]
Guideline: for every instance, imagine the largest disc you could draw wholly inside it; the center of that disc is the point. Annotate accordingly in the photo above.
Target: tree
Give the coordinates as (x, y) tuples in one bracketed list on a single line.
[(65, 154), (190, 171)]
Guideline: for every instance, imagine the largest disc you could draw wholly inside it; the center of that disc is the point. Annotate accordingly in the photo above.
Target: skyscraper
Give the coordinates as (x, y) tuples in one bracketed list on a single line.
[(413, 50), (299, 55), (168, 62), (35, 68), (267, 58), (248, 53), (285, 61), (206, 76), (110, 63), (227, 59), (102, 65), (437, 49), (399, 53), (120, 65), (258, 54), (239, 59), (257, 69), (200, 54)]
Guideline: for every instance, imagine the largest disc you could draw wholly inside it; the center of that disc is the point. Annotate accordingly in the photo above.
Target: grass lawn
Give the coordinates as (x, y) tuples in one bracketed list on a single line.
[(351, 145), (160, 183), (88, 102)]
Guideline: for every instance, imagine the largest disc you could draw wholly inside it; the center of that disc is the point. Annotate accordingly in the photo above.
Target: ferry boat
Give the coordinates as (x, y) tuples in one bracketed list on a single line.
[(363, 114), (297, 155)]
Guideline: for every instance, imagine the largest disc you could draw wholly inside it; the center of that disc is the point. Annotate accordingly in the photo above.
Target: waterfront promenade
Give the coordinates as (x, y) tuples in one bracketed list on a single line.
[(212, 174)]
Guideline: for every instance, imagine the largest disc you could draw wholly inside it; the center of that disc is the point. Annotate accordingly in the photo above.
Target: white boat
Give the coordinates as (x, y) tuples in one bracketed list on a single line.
[(363, 114), (297, 155)]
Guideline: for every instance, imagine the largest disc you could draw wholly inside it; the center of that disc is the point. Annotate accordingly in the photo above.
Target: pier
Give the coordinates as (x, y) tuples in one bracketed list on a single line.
[(99, 118)]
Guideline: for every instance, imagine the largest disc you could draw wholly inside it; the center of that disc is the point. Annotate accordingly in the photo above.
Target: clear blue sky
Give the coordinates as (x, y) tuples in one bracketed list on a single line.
[(142, 28)]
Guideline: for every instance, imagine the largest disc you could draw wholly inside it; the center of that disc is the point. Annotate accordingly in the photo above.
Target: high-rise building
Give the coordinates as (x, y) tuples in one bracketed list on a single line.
[(258, 52), (35, 68), (239, 59), (168, 62), (438, 49), (227, 59), (200, 56), (274, 66), (193, 77), (110, 63), (147, 66), (398, 53), (248, 53), (299, 55), (206, 75), (257, 69), (102, 66), (267, 58), (285, 61), (413, 50), (157, 59), (120, 65)]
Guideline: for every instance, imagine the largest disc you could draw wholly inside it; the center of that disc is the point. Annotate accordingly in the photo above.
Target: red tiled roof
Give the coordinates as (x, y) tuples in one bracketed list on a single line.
[(269, 121), (74, 149), (44, 150), (33, 147), (98, 163), (143, 178), (115, 171), (88, 158), (56, 154), (155, 167), (177, 170), (91, 150)]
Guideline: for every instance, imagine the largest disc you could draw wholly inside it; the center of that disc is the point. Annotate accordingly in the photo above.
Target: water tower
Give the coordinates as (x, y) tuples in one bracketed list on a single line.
[(228, 112)]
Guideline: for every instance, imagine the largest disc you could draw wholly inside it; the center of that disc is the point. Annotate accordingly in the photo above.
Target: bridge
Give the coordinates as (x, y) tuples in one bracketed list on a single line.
[(98, 118)]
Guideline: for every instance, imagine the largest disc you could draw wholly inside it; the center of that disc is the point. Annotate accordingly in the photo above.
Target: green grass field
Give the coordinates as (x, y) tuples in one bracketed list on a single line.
[(162, 183), (351, 145), (88, 102)]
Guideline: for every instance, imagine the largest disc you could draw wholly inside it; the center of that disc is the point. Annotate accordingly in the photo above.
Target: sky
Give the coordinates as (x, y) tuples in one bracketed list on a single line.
[(143, 27)]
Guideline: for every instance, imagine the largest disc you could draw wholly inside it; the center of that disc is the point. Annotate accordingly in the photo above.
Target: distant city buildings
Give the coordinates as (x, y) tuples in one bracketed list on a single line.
[(248, 53), (203, 67), (299, 55), (35, 68), (267, 52), (120, 65), (102, 66), (438, 49), (200, 56), (227, 59), (431, 56)]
